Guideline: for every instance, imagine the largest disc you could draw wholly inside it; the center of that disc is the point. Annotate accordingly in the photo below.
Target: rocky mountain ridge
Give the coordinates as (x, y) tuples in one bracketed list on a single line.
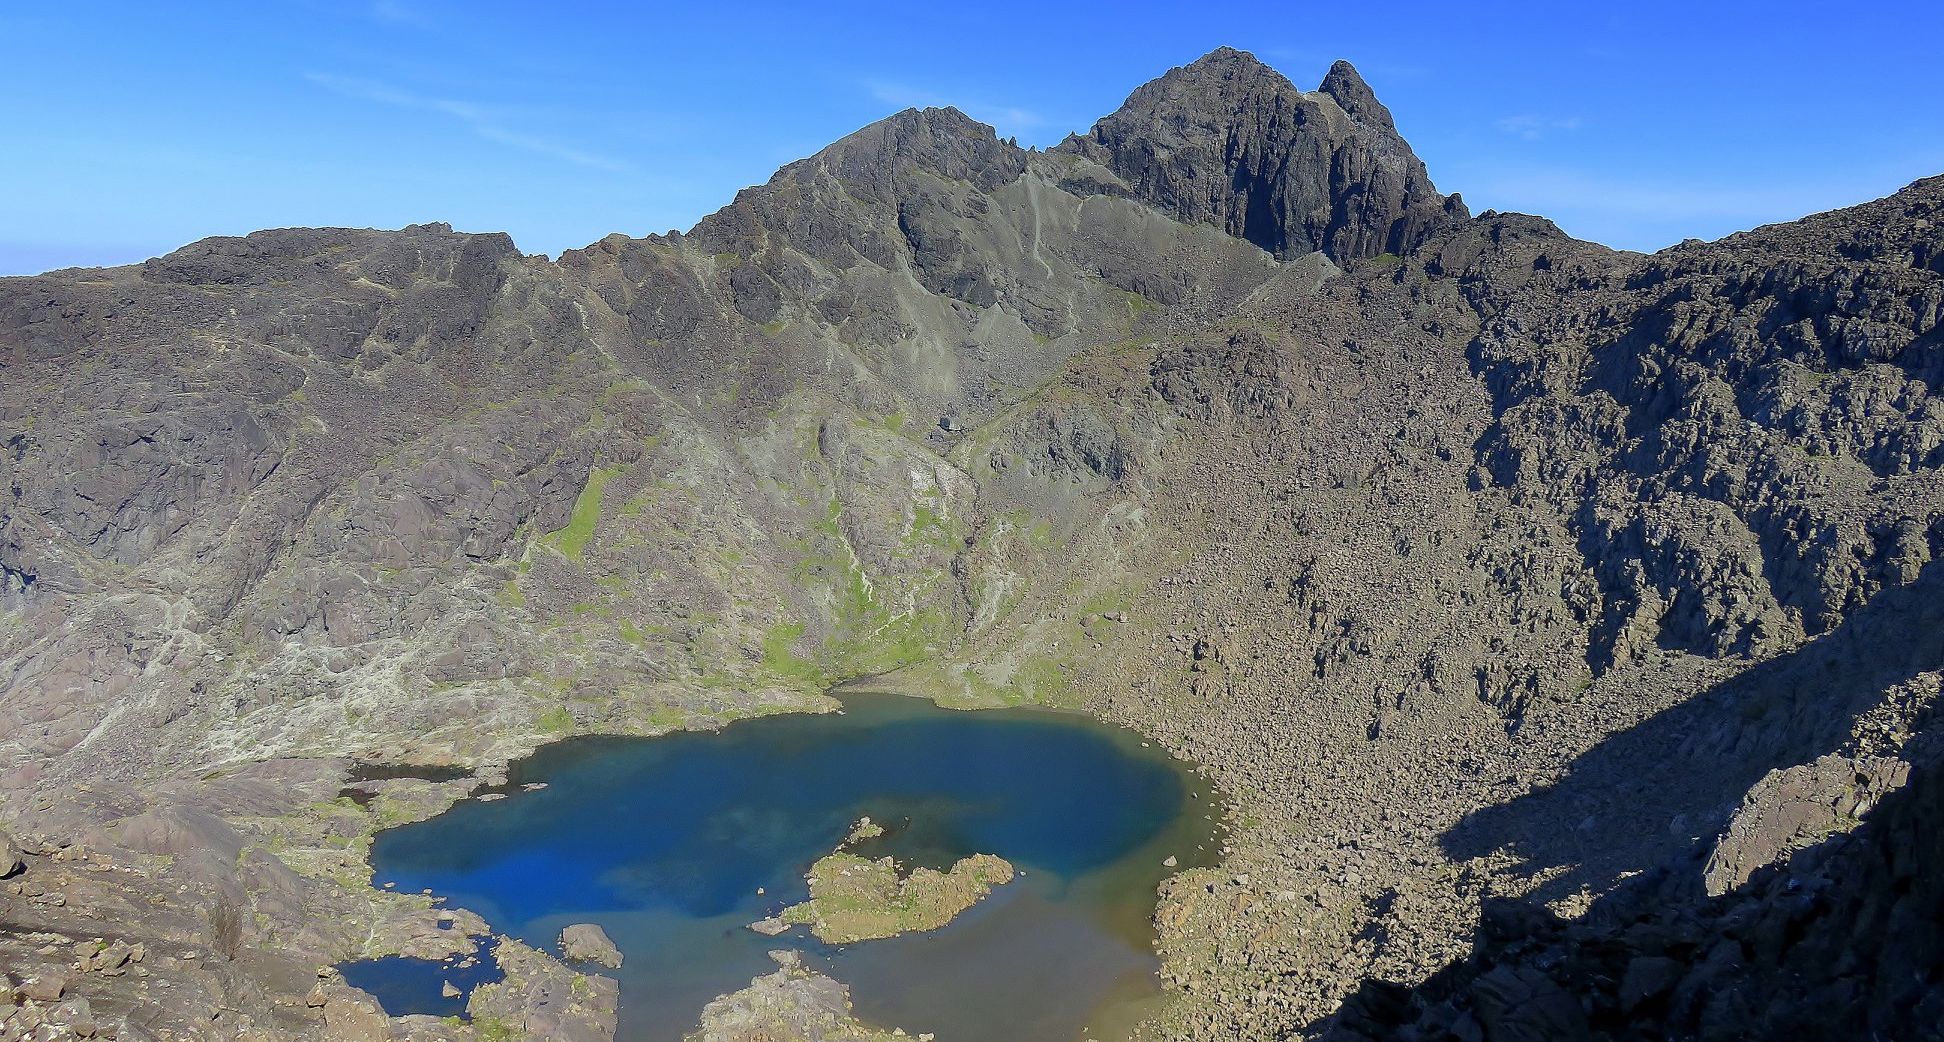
[(1230, 142), (1471, 560)]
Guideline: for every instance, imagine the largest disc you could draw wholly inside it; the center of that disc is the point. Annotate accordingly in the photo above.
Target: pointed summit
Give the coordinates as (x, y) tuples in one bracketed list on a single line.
[(943, 140), (1225, 55), (1223, 75), (1354, 96), (1226, 59), (1229, 141)]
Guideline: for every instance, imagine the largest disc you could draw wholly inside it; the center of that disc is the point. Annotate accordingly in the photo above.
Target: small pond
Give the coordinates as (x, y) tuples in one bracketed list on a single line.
[(665, 842)]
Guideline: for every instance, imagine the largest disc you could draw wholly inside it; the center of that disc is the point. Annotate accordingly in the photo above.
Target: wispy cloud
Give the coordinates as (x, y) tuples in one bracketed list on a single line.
[(1532, 128), (1005, 118), (482, 120), (396, 13)]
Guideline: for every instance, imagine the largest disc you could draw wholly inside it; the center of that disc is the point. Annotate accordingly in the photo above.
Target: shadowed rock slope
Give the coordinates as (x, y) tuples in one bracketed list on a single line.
[(1470, 560), (1843, 942)]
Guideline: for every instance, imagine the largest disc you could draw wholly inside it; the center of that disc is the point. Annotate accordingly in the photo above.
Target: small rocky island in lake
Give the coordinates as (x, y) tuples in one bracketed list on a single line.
[(855, 898), (586, 942), (864, 829)]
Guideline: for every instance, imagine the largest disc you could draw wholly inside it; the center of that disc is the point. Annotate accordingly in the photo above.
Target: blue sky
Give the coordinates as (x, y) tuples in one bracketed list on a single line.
[(132, 128)]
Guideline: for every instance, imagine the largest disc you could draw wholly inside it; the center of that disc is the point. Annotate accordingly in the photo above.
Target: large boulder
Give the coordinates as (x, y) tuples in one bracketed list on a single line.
[(586, 942), (11, 858), (351, 1015), (1798, 806)]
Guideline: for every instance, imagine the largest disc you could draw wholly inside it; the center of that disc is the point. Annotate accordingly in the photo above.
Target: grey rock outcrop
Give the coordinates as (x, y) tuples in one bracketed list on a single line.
[(542, 999), (1778, 957), (1230, 142), (794, 1004), (587, 942), (1796, 807), (351, 1015)]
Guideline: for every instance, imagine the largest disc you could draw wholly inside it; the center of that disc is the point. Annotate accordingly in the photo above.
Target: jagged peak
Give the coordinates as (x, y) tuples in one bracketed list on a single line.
[(1230, 141), (899, 130), (1226, 59), (1236, 78), (1347, 88), (944, 140), (1221, 82), (874, 164), (948, 119)]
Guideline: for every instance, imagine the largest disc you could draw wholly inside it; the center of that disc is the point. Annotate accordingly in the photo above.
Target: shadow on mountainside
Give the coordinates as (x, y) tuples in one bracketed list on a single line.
[(1846, 941), (1658, 793)]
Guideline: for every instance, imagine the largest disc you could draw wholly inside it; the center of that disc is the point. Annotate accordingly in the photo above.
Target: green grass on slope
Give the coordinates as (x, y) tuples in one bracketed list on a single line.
[(573, 539), (867, 629), (780, 659), (557, 720)]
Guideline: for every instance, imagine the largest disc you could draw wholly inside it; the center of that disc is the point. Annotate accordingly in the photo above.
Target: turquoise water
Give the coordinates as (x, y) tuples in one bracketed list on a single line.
[(665, 842)]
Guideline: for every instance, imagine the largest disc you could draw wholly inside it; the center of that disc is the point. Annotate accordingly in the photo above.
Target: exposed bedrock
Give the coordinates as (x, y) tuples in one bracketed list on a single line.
[(1472, 562)]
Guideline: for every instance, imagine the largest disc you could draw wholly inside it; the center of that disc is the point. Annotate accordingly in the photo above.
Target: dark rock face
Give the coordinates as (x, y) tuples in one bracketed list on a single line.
[(1228, 141), (1841, 943), (1707, 407)]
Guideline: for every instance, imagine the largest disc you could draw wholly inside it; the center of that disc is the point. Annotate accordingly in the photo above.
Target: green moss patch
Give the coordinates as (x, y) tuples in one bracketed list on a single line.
[(556, 720), (572, 540)]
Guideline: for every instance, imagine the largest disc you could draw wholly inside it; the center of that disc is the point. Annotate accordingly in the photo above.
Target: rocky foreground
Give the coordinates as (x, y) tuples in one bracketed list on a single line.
[(792, 1003), (1474, 564)]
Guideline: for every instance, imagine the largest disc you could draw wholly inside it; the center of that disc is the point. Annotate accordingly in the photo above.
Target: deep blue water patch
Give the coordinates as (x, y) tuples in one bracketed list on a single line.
[(666, 841), (405, 986)]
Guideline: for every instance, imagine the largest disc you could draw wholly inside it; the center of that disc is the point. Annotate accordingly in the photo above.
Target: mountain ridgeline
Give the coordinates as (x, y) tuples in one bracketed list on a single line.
[(1481, 567)]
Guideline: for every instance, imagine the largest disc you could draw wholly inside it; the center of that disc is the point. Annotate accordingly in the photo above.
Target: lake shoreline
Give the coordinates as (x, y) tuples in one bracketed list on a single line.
[(871, 697)]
